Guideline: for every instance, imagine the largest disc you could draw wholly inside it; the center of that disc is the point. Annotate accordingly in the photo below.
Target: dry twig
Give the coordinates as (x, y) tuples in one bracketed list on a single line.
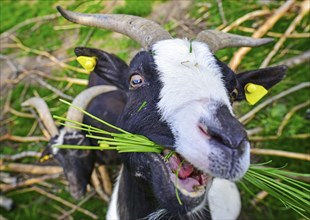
[(53, 89), (289, 115), (275, 137), (64, 78), (244, 18), (64, 202), (30, 168), (280, 153), (66, 214), (20, 155), (305, 7), (9, 137), (274, 34), (238, 56), (26, 22), (62, 212), (28, 182), (107, 185), (20, 114), (222, 14), (97, 185), (21, 46), (297, 60)]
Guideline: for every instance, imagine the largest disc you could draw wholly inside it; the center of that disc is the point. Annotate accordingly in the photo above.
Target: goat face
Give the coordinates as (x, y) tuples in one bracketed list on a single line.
[(188, 95), (188, 110)]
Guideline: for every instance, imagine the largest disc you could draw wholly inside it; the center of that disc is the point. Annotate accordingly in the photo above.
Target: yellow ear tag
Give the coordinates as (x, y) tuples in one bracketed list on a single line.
[(254, 92), (88, 63), (45, 158)]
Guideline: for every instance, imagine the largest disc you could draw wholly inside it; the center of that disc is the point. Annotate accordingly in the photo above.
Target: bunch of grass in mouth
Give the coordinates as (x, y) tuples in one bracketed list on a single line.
[(292, 193), (121, 140)]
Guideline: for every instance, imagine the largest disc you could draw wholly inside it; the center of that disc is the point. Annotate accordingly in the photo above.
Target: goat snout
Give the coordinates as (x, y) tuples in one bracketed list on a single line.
[(225, 129), (235, 141)]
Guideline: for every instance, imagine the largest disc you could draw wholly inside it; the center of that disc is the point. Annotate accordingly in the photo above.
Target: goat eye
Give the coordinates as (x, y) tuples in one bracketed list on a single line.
[(136, 81), (234, 94)]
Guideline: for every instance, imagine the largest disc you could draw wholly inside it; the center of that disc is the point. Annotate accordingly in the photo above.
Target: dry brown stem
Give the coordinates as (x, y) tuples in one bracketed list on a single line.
[(32, 129), (28, 182), (275, 137), (65, 78), (251, 113), (222, 14), (16, 80), (26, 22), (274, 34), (20, 155), (289, 115), (62, 212), (269, 23), (97, 185), (53, 89), (64, 202), (68, 213), (107, 185), (10, 137), (31, 169), (280, 153), (20, 114), (254, 131), (305, 7), (7, 104), (244, 18), (259, 197), (21, 46), (297, 60)]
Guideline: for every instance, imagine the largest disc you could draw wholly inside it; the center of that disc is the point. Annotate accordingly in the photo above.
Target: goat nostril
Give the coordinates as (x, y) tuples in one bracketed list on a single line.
[(204, 130), (214, 133), (242, 147)]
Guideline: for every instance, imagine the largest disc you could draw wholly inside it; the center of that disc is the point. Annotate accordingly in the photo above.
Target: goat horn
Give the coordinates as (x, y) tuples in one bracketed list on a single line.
[(82, 101), (143, 31), (45, 115), (217, 40)]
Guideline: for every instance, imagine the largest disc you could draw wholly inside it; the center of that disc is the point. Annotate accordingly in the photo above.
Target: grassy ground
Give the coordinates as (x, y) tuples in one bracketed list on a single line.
[(58, 37)]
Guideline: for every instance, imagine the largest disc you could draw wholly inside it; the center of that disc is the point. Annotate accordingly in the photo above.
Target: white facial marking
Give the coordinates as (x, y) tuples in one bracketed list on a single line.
[(58, 141), (179, 69), (193, 89)]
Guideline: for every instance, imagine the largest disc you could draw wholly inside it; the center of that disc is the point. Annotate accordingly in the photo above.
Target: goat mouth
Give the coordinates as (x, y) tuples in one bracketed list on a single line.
[(186, 178)]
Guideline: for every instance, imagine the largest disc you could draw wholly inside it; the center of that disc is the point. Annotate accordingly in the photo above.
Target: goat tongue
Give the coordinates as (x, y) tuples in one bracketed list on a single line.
[(184, 170)]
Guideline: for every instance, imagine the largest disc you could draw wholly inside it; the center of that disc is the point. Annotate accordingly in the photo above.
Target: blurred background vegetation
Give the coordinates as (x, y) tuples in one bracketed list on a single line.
[(37, 59)]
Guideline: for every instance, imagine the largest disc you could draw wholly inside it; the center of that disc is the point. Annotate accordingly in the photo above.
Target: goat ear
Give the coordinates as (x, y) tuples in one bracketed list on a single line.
[(266, 77), (108, 66)]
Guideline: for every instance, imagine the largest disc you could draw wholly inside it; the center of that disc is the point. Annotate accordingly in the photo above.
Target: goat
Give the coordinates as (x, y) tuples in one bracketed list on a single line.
[(77, 164), (188, 94)]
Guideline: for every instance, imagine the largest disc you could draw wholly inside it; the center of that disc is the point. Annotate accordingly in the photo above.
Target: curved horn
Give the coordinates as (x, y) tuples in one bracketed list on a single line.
[(45, 115), (82, 101), (143, 31), (217, 40)]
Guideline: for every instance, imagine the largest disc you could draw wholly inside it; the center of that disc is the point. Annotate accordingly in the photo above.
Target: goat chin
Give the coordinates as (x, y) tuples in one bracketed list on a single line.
[(223, 199)]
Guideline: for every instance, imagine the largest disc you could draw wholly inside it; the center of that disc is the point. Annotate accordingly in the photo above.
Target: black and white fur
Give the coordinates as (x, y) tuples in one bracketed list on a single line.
[(188, 94)]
